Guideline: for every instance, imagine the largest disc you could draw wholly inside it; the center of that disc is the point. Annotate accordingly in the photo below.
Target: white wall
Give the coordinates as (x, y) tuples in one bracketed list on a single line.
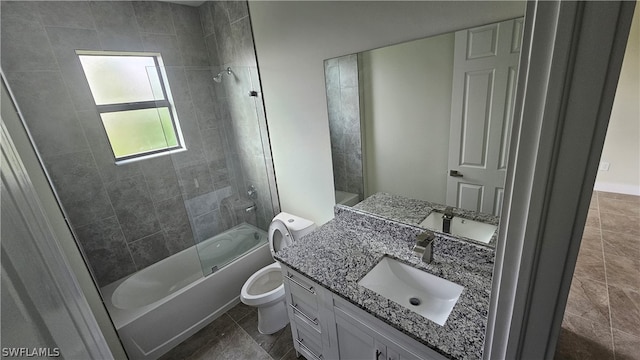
[(407, 110), (622, 144), (292, 40)]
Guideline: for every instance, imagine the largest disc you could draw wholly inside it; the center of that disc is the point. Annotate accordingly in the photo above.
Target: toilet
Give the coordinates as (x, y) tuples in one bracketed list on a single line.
[(264, 289)]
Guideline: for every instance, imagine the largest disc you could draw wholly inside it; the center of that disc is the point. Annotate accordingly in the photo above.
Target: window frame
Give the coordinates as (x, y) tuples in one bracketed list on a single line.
[(165, 102)]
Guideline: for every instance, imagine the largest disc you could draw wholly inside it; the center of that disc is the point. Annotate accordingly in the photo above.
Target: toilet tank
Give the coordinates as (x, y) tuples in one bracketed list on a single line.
[(298, 226)]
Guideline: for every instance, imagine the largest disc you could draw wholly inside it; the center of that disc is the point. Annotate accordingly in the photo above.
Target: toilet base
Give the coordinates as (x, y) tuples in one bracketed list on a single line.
[(272, 318)]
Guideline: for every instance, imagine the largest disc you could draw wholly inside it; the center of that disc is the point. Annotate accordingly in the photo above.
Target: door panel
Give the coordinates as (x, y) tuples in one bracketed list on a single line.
[(484, 82)]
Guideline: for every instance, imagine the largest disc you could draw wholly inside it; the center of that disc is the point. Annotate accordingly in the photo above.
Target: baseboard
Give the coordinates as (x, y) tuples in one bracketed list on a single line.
[(617, 188)]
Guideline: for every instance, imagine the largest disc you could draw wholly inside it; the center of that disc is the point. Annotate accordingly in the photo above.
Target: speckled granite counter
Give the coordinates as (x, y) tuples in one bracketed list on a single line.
[(339, 253), (413, 211)]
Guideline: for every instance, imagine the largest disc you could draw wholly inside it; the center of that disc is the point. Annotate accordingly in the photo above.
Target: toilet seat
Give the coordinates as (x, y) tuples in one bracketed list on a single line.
[(252, 297), (279, 236)]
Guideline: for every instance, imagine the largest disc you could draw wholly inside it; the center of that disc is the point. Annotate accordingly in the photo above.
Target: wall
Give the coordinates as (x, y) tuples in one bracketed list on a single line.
[(407, 112), (343, 102), (227, 28), (622, 144), (131, 216), (292, 41)]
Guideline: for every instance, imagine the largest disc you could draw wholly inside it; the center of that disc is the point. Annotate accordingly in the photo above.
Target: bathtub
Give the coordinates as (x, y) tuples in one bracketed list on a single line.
[(158, 307)]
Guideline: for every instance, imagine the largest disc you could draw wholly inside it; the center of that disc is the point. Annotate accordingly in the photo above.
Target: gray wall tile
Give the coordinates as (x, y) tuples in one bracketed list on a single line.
[(219, 173), (106, 248), (194, 51), (161, 178), (206, 18), (243, 42), (186, 19), (76, 180), (48, 111), (25, 46), (212, 50), (69, 14), (175, 224), (149, 250), (192, 137), (116, 25), (166, 45), (154, 17), (236, 10), (195, 180), (214, 149), (133, 206), (65, 42), (178, 84), (202, 204), (224, 39), (348, 71), (201, 87)]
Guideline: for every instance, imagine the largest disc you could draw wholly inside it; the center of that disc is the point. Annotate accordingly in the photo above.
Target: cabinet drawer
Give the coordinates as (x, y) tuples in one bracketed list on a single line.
[(303, 299), (307, 340)]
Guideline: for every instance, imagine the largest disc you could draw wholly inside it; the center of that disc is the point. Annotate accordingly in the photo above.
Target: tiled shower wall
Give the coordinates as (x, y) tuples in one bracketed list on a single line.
[(343, 99), (130, 216), (227, 24)]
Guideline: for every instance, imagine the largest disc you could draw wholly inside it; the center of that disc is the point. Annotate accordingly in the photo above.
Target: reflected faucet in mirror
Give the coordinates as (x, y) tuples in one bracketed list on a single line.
[(446, 220)]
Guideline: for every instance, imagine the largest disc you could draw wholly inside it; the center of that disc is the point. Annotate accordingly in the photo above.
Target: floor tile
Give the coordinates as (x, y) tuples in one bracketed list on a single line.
[(626, 346), (241, 310), (621, 244), (283, 345), (594, 202), (583, 339), (620, 223), (206, 338), (589, 299), (623, 271), (250, 326), (291, 355), (590, 265), (591, 239), (593, 219), (613, 206), (625, 197), (625, 310)]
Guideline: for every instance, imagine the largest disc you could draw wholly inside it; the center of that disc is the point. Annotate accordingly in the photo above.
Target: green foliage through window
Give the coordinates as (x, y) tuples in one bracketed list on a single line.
[(130, 92)]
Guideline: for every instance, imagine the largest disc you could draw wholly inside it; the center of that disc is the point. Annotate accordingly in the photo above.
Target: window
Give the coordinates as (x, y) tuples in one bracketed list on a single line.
[(134, 101)]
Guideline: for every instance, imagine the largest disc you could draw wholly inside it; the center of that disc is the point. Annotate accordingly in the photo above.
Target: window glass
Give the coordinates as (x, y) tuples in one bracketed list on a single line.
[(122, 79), (139, 131)]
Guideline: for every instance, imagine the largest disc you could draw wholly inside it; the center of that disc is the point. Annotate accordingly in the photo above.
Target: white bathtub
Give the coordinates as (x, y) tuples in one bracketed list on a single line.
[(160, 306)]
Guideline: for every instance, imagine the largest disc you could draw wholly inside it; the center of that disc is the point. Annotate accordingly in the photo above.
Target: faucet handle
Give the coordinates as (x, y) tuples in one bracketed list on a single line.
[(448, 213)]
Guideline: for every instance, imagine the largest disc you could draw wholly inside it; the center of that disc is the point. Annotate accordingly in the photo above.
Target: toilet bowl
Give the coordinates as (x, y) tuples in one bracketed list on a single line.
[(264, 289)]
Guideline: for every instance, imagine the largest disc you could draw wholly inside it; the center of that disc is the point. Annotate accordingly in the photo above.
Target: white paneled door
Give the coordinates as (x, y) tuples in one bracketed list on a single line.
[(484, 83)]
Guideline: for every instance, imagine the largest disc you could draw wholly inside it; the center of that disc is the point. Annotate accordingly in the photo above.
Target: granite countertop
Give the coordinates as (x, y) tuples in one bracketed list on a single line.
[(339, 253), (413, 211)]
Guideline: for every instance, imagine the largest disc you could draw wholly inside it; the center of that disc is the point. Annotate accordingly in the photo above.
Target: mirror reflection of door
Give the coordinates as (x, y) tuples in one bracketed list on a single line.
[(407, 118), (484, 82)]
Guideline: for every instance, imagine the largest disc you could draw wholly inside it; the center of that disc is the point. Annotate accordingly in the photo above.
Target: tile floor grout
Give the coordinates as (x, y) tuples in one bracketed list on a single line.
[(579, 330)]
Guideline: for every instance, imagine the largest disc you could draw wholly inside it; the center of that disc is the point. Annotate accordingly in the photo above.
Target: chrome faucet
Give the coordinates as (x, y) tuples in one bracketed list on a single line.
[(424, 246), (446, 220)]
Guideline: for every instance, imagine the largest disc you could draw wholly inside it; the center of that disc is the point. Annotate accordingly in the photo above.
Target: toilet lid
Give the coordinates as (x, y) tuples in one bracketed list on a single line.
[(279, 236)]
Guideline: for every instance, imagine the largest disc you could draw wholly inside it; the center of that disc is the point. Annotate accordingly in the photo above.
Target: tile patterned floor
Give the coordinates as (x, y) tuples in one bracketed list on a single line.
[(234, 335), (602, 317)]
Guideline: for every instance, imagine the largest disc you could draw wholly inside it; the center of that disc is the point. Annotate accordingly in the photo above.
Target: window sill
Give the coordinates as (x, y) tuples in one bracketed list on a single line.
[(150, 156)]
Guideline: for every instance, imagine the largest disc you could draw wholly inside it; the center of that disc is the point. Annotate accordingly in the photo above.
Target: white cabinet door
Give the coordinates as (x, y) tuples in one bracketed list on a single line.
[(356, 343), (484, 83)]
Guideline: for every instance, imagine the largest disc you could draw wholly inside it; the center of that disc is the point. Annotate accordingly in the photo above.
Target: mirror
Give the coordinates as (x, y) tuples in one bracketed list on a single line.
[(428, 120)]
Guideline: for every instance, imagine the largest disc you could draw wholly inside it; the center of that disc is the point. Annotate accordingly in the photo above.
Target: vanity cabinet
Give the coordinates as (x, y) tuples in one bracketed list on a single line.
[(325, 326)]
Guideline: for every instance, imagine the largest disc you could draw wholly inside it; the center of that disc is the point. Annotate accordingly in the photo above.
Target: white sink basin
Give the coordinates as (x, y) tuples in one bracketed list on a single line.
[(461, 227), (401, 283)]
